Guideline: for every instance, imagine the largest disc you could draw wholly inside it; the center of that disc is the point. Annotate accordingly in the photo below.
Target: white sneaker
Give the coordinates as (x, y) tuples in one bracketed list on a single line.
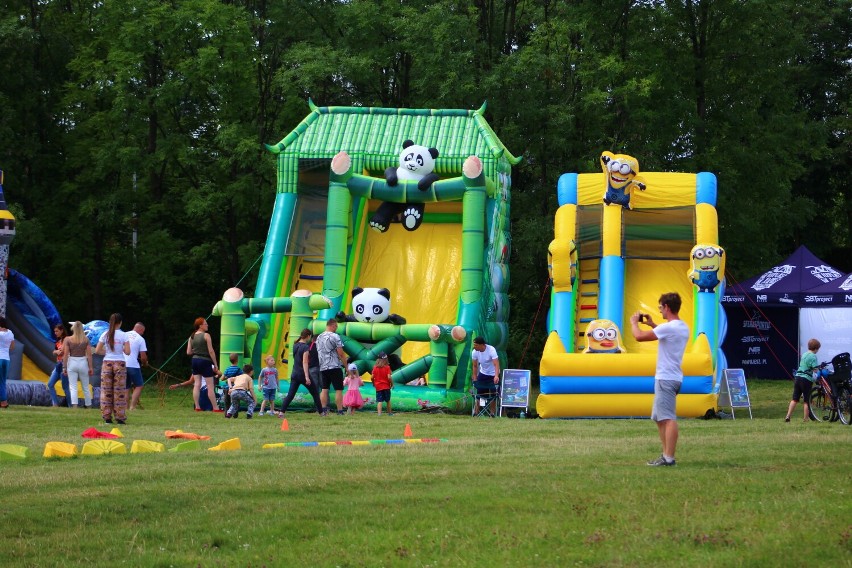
[(260, 413)]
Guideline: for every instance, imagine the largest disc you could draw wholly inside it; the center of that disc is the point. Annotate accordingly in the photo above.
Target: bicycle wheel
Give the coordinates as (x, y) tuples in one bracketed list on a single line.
[(844, 405), (821, 410)]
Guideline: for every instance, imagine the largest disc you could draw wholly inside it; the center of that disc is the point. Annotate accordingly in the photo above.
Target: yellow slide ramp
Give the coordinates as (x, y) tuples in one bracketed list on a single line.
[(422, 270), (644, 282)]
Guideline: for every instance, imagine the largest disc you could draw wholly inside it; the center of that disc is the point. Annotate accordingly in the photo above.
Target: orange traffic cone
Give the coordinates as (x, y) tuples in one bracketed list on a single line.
[(285, 426), (407, 432)]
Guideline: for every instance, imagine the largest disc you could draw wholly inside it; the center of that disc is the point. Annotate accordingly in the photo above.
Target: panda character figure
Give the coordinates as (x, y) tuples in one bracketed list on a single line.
[(416, 163), (371, 305)]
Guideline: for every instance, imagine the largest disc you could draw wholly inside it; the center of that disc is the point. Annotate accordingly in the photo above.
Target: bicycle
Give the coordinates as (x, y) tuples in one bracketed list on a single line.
[(831, 400)]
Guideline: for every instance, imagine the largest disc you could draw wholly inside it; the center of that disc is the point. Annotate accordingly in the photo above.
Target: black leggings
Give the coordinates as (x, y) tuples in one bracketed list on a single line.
[(295, 382)]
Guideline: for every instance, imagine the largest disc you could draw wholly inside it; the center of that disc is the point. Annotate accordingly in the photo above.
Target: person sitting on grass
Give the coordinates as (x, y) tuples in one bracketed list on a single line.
[(241, 388)]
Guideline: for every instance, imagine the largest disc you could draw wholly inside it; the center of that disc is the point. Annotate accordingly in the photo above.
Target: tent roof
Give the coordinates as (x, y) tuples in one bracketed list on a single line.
[(784, 283), (836, 292), (456, 133)]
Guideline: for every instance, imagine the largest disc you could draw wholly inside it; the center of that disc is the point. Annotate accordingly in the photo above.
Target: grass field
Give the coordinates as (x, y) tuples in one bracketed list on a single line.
[(501, 492)]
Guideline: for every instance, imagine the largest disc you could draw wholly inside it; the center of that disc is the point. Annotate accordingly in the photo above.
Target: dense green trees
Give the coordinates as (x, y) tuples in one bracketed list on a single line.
[(132, 130)]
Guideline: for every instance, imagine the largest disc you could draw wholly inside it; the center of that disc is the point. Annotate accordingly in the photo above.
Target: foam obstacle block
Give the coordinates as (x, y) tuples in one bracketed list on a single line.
[(232, 444), (13, 452), (103, 448), (146, 447), (60, 450), (188, 446)]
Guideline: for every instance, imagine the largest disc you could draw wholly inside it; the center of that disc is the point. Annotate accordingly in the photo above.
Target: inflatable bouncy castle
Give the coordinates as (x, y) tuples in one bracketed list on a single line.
[(621, 240), (395, 222)]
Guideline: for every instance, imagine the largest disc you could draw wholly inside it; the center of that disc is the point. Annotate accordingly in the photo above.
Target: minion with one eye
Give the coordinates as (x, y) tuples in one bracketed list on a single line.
[(603, 336), (707, 262), (622, 177)]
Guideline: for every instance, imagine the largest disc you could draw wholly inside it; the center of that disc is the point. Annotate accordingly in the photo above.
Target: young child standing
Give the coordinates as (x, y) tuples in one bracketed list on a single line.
[(231, 371), (269, 385), (353, 399), (241, 387), (804, 380), (382, 382)]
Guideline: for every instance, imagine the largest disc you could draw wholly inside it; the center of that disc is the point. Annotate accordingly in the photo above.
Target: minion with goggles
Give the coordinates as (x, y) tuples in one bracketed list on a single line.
[(603, 336), (707, 262), (622, 177)]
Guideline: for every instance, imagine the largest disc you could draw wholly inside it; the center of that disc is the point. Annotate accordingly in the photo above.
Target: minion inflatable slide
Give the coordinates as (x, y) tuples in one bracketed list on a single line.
[(621, 240), (395, 222)]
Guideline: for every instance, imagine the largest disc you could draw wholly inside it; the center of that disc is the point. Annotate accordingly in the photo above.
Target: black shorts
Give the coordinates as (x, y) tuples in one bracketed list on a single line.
[(802, 387), (383, 395), (203, 367), (334, 378)]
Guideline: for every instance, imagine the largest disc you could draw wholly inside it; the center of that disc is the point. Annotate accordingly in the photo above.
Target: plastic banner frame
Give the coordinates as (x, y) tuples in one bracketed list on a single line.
[(515, 389), (734, 391)]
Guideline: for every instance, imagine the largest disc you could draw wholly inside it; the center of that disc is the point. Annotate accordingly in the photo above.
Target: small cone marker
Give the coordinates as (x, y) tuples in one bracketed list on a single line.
[(407, 433), (116, 432), (285, 426)]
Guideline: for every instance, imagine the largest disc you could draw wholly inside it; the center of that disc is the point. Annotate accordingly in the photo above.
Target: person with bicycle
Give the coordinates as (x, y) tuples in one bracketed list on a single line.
[(804, 380)]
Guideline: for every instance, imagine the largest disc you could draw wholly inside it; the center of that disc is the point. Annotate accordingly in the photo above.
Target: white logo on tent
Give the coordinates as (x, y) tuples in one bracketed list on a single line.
[(824, 273), (771, 277), (847, 284)]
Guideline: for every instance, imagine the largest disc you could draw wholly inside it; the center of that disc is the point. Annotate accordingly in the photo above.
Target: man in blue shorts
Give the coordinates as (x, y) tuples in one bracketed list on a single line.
[(486, 370), (673, 336), (138, 357)]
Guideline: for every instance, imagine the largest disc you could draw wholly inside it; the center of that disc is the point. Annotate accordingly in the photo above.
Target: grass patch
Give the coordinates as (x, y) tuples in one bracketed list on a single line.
[(498, 492)]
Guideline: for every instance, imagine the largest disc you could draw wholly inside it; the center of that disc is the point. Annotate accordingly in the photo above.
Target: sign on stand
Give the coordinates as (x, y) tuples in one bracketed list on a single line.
[(515, 392), (734, 391)]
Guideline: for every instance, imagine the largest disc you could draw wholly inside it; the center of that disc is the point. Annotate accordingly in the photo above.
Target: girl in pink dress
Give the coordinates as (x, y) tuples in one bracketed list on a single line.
[(353, 399)]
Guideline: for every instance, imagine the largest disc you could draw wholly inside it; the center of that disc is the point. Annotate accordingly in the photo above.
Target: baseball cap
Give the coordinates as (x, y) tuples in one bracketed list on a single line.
[(383, 355), (352, 367)]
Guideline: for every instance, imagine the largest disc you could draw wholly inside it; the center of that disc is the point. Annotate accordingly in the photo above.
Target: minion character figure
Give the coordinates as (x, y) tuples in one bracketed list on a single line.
[(622, 176), (707, 262), (603, 336)]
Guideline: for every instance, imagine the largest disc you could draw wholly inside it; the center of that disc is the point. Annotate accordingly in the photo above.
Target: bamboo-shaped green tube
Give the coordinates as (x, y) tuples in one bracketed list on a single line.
[(229, 308), (412, 371), (406, 191), (438, 368), (337, 229), (473, 243)]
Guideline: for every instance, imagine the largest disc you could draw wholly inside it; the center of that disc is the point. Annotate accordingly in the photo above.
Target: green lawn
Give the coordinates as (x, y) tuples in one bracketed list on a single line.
[(499, 492)]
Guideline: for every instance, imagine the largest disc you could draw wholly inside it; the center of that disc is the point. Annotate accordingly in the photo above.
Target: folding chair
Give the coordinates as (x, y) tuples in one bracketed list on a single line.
[(482, 403)]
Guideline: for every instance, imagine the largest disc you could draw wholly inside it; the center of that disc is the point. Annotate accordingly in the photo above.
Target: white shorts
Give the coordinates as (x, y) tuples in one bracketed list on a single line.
[(665, 393)]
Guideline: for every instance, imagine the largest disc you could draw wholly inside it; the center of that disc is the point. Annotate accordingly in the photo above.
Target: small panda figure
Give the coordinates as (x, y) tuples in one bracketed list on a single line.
[(371, 305), (416, 163)]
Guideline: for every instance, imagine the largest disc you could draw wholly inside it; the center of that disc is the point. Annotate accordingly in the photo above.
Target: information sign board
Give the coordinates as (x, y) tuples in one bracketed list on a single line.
[(515, 391), (735, 390)]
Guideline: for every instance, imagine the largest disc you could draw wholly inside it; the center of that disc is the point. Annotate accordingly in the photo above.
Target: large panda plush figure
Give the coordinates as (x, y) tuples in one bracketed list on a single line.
[(371, 305), (416, 163)]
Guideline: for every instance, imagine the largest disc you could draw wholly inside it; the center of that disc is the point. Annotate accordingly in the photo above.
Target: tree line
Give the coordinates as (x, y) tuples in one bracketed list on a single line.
[(132, 130)]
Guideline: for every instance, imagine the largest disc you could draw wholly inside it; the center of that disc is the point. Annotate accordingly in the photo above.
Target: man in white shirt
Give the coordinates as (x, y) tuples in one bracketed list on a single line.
[(138, 354), (486, 370), (673, 336)]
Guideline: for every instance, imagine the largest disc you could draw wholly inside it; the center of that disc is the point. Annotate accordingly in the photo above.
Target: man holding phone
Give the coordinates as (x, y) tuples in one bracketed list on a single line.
[(673, 336)]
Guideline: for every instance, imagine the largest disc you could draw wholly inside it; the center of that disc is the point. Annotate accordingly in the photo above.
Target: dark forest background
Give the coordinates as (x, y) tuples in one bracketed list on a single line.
[(150, 116)]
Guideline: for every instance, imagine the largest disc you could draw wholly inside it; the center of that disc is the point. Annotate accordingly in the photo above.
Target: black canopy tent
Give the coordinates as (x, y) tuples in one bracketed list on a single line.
[(763, 314)]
